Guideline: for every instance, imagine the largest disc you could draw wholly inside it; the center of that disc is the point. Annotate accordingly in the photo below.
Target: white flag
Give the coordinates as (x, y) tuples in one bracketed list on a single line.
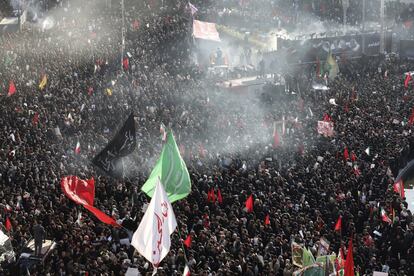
[(152, 238), (367, 151), (186, 271)]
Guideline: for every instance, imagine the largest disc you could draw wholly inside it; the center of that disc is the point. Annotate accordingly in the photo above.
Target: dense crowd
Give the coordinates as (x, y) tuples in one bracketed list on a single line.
[(303, 183)]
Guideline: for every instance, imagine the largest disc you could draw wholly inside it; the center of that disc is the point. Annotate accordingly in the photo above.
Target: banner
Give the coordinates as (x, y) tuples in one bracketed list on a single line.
[(325, 128), (297, 254), (372, 44), (121, 145), (205, 30), (323, 248), (172, 172)]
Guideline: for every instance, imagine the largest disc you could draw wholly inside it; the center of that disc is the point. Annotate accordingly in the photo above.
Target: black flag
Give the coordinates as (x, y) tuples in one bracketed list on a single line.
[(122, 144)]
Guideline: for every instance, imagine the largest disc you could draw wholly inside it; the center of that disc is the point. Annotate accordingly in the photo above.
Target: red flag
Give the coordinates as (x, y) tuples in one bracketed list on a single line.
[(346, 153), (101, 215), (187, 241), (77, 148), (249, 204), (327, 118), (267, 220), (213, 196), (35, 119), (8, 224), (399, 188), (125, 63), (12, 88), (407, 80), (219, 197), (209, 195), (353, 157), (83, 192), (385, 217), (90, 90), (78, 190), (338, 225), (349, 263)]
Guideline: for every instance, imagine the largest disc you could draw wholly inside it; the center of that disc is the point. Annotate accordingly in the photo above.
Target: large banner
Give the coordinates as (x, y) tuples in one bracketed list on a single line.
[(121, 145), (205, 30), (372, 44)]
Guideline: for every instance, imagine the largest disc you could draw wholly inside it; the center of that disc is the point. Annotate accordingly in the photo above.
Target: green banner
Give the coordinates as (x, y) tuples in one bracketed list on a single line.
[(172, 171)]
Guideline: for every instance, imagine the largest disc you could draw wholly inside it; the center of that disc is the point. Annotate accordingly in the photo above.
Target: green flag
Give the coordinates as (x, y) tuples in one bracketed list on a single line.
[(331, 66), (172, 171), (307, 257)]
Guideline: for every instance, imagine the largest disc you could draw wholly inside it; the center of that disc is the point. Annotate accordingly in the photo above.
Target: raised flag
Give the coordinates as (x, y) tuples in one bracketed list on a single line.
[(323, 248), (307, 257), (385, 217), (346, 153), (12, 89), (399, 188), (367, 150), (186, 271), (83, 192), (125, 63), (35, 119), (187, 241), (172, 171), (43, 82), (353, 156), (338, 224), (8, 224), (219, 196), (249, 204), (123, 143), (327, 118), (212, 195), (349, 263), (77, 148), (407, 80), (267, 220), (297, 254), (331, 66), (152, 238)]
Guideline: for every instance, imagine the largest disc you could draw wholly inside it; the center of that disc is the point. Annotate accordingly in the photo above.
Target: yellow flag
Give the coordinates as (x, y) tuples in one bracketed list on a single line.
[(108, 91), (43, 82)]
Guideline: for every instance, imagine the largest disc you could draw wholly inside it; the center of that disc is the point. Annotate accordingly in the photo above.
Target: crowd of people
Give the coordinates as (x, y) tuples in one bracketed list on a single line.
[(303, 181)]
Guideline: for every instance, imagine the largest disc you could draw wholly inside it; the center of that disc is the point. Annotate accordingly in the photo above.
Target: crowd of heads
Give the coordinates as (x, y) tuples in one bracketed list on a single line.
[(303, 183)]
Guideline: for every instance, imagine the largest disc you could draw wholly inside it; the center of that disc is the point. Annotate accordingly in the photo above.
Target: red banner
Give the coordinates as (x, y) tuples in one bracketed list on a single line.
[(83, 192)]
